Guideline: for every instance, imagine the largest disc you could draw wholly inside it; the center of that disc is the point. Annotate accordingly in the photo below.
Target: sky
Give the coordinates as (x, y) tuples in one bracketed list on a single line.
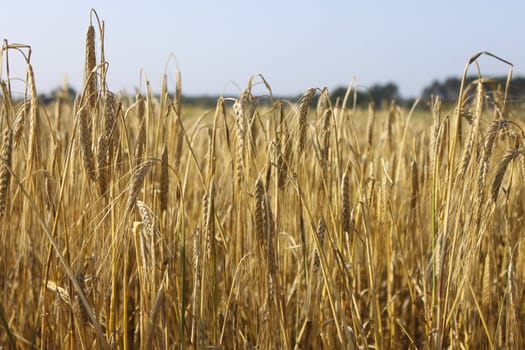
[(295, 45)]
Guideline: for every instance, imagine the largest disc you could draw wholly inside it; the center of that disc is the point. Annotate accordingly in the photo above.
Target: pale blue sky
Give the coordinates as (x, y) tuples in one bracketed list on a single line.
[(294, 44)]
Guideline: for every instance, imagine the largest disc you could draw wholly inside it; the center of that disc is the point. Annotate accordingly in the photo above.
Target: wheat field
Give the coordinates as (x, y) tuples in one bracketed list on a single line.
[(137, 222)]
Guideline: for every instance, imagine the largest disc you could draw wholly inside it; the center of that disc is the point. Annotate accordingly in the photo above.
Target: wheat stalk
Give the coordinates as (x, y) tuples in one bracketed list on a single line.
[(164, 180), (196, 286), (140, 143), (473, 135)]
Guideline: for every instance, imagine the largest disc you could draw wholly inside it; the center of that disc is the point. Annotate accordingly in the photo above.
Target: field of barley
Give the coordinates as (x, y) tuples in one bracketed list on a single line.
[(137, 222)]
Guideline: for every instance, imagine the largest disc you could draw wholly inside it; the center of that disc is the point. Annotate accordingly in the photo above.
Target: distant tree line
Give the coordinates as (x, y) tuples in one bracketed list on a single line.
[(379, 94), (448, 90)]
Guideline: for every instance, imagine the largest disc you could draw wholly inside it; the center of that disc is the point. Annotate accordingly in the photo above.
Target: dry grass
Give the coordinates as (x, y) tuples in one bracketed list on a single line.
[(131, 223)]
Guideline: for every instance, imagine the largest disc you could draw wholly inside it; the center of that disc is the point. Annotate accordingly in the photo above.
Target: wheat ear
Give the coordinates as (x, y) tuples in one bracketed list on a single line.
[(370, 126), (345, 204), (260, 224), (304, 104), (34, 123), (241, 139), (502, 168), (415, 184), (321, 232), (102, 165), (90, 77), (208, 220), (136, 182), (5, 166), (85, 143)]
